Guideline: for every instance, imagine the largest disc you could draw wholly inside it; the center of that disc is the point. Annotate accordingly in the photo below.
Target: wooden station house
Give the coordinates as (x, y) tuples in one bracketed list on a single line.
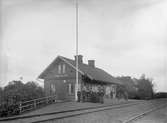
[(60, 78)]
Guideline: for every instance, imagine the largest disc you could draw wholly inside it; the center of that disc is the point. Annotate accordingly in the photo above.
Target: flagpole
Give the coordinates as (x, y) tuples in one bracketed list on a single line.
[(76, 87)]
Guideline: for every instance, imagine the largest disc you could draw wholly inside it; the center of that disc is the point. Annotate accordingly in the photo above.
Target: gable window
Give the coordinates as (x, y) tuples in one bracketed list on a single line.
[(64, 68), (59, 69)]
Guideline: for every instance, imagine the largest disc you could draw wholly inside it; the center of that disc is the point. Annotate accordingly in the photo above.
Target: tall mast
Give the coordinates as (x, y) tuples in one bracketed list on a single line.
[(76, 86)]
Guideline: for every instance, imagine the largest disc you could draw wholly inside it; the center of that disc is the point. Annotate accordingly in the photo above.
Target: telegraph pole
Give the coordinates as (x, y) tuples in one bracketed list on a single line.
[(76, 85)]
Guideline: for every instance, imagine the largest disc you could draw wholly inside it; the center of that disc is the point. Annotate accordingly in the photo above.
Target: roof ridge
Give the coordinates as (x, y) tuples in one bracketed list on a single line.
[(86, 65), (64, 57), (74, 61)]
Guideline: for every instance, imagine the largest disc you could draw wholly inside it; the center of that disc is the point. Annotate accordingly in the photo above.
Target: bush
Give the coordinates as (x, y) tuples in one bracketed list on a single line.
[(14, 93), (137, 88)]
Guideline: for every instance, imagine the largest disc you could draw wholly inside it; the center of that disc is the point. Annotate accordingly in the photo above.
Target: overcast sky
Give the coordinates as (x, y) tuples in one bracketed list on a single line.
[(125, 37)]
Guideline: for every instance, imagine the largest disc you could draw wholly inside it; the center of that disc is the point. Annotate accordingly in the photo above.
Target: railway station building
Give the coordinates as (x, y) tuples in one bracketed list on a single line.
[(60, 78)]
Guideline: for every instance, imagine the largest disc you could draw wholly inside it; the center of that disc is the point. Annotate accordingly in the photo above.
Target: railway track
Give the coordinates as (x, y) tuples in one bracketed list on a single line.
[(76, 112), (69, 113), (103, 108), (141, 115)]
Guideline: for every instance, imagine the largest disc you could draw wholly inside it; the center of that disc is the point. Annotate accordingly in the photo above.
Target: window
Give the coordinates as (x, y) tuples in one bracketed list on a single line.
[(64, 68), (59, 68), (71, 89), (53, 88)]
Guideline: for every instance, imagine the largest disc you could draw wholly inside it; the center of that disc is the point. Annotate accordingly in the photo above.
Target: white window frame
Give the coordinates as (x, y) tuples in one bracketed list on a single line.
[(64, 68), (69, 88), (59, 69), (53, 88)]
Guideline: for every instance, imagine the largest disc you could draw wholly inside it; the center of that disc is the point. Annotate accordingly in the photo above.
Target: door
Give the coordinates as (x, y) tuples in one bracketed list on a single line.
[(62, 90)]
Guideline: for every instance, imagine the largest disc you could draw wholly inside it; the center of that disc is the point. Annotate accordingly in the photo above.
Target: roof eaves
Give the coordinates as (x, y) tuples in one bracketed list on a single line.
[(43, 73)]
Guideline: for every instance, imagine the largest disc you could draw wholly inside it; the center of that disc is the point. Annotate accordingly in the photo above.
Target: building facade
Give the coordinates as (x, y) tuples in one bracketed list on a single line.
[(60, 78)]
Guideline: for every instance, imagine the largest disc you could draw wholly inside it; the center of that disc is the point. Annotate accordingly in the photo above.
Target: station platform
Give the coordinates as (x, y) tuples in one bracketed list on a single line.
[(64, 106)]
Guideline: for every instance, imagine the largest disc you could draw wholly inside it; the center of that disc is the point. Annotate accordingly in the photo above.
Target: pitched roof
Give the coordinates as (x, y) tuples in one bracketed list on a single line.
[(93, 73)]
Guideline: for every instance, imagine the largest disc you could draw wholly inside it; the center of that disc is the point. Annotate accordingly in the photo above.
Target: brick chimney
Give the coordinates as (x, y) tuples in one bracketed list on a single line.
[(91, 63), (80, 61)]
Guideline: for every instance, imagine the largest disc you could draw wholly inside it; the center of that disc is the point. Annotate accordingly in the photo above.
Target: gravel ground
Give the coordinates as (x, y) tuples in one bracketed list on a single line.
[(70, 105), (159, 116), (111, 115)]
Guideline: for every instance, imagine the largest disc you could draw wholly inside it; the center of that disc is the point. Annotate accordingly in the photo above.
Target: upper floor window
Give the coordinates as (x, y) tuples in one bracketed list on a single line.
[(64, 68), (59, 68)]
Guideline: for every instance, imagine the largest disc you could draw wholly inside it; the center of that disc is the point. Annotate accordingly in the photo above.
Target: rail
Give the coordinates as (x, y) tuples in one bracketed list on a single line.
[(141, 115), (69, 113), (91, 110), (36, 103), (81, 111)]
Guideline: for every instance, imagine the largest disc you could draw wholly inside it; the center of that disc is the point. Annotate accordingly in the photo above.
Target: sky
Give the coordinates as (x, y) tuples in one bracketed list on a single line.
[(125, 37)]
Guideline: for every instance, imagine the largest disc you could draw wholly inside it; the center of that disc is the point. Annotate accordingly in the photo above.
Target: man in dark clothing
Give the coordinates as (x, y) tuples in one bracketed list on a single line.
[(101, 94), (79, 96)]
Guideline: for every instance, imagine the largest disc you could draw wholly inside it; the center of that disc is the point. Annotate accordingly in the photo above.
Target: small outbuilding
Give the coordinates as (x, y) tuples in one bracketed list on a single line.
[(60, 78)]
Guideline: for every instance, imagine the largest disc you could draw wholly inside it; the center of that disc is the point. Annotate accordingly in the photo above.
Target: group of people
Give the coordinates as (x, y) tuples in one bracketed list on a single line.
[(93, 94)]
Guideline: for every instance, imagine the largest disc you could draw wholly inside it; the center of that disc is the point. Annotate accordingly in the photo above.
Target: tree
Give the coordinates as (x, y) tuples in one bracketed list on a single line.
[(15, 92), (130, 86), (121, 92), (145, 88), (33, 90), (1, 95)]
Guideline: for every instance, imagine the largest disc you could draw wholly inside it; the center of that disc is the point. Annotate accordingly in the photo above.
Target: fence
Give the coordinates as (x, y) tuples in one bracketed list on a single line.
[(36, 103)]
